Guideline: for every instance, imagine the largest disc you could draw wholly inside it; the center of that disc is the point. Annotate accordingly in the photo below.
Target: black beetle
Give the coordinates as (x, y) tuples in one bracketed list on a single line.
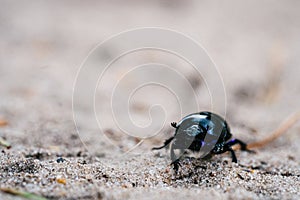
[(206, 131)]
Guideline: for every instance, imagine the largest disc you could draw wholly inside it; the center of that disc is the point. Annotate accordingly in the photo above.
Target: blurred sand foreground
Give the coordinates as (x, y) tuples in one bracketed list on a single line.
[(255, 44)]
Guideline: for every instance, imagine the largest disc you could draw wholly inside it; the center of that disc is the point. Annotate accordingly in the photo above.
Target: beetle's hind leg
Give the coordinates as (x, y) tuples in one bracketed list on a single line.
[(233, 156), (166, 143), (228, 147), (225, 148)]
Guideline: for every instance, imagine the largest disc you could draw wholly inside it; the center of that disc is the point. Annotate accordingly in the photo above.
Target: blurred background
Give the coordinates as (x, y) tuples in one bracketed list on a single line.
[(255, 45)]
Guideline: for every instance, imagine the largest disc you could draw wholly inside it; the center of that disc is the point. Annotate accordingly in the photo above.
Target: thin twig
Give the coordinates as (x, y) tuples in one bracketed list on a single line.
[(3, 123), (283, 128)]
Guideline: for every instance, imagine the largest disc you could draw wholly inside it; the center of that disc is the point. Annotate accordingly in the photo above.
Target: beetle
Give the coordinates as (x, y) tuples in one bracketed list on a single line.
[(204, 130)]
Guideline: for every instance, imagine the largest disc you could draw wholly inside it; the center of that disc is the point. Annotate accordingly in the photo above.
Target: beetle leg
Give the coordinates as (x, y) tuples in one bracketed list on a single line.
[(176, 164), (232, 142), (174, 124), (232, 155), (166, 143), (175, 160), (227, 147)]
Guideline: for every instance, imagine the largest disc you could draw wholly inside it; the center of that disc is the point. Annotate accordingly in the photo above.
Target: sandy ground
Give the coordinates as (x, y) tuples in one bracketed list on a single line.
[(255, 44)]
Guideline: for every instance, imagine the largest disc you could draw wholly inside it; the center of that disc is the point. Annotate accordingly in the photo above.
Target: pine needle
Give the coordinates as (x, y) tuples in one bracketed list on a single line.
[(26, 195), (4, 143)]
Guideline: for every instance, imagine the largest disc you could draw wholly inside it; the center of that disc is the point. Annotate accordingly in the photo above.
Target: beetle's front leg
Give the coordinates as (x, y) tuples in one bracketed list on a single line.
[(175, 160), (166, 143)]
